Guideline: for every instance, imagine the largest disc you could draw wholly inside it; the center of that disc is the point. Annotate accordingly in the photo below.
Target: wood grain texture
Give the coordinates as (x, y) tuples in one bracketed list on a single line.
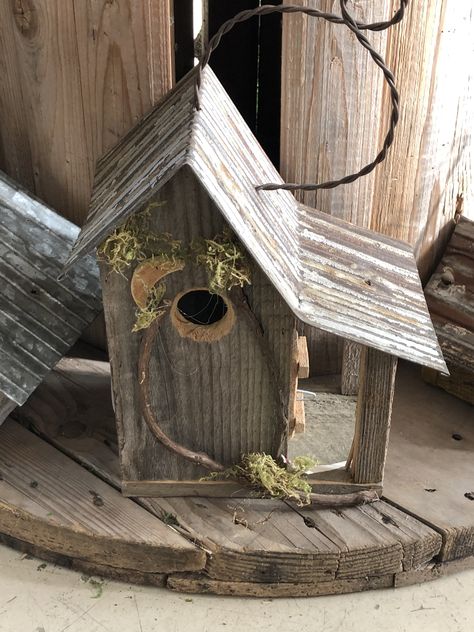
[(50, 501), (460, 382), (76, 76), (86, 72), (427, 471), (335, 111), (86, 567), (57, 412), (450, 297), (332, 489), (350, 368), (250, 539), (195, 583), (262, 541), (224, 398), (303, 357), (373, 415), (330, 95), (427, 178), (346, 280), (200, 583), (363, 286)]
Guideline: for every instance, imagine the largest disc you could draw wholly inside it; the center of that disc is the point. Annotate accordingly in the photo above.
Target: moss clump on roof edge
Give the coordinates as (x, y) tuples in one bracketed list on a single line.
[(224, 260)]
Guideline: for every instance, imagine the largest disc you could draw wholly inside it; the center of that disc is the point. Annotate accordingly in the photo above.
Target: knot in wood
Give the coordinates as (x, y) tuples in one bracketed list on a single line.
[(25, 16), (447, 276)]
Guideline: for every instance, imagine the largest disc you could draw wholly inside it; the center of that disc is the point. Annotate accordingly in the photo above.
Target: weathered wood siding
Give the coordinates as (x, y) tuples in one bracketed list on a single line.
[(335, 112), (225, 398), (365, 287), (76, 75)]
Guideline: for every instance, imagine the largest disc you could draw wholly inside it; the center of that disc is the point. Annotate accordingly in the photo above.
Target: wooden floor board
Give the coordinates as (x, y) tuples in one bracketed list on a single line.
[(49, 501), (429, 472), (264, 542)]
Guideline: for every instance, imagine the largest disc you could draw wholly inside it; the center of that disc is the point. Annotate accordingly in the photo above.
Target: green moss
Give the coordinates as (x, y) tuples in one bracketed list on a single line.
[(134, 241), (154, 308), (263, 474), (225, 261)]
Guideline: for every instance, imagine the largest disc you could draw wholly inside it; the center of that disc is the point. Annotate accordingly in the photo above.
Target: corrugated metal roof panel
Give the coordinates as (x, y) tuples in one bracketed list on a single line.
[(138, 166), (40, 318), (364, 286)]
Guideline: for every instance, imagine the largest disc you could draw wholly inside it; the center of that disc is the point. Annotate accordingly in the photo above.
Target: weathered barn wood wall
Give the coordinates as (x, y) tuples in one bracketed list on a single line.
[(76, 75), (334, 117)]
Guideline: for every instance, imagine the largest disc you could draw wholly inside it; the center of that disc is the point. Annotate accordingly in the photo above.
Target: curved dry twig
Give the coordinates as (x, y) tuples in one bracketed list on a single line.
[(146, 346), (345, 500)]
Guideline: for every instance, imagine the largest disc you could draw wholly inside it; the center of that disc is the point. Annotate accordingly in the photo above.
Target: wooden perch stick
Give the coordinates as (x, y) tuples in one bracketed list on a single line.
[(345, 500)]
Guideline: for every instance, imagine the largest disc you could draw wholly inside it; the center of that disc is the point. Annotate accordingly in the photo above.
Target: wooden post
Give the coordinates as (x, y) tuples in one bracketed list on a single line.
[(350, 368), (75, 77), (373, 415), (335, 112)]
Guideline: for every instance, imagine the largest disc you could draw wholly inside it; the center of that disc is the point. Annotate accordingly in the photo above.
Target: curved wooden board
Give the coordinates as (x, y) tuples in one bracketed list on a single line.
[(48, 500)]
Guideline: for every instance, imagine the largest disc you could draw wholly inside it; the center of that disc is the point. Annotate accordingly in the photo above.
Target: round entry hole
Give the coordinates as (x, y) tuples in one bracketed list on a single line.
[(200, 307)]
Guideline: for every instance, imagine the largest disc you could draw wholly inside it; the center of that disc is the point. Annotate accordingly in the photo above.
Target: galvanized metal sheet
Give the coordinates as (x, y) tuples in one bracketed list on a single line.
[(40, 318), (365, 287), (342, 279)]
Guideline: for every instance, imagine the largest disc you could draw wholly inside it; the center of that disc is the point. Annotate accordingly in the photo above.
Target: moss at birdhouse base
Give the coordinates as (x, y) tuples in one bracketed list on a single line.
[(264, 475)]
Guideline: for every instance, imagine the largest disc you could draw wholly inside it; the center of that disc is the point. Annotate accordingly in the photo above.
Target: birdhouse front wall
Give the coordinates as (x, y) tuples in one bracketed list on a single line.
[(223, 397)]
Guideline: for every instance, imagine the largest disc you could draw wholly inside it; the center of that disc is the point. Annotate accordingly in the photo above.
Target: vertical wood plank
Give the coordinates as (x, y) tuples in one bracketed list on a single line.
[(350, 368), (77, 75), (428, 176), (330, 125), (335, 112), (373, 415)]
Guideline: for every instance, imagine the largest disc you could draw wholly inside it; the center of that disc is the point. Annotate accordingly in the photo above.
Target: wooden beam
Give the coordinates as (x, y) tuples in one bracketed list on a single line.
[(373, 415), (303, 357), (350, 368), (300, 417)]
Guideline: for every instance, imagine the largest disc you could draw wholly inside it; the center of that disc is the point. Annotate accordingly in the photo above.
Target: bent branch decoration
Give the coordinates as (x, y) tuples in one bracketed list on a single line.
[(198, 458)]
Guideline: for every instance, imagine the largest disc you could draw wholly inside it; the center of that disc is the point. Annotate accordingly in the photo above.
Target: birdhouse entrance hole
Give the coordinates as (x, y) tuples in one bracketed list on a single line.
[(201, 307), (202, 315)]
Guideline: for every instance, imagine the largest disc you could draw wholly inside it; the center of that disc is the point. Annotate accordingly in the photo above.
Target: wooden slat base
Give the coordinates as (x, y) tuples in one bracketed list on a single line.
[(50, 506), (229, 489)]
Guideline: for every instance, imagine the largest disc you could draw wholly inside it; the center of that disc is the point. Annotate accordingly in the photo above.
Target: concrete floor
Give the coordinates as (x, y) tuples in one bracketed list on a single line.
[(35, 597)]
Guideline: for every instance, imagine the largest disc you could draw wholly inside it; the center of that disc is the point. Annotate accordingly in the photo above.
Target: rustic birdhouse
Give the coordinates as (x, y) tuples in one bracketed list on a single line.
[(203, 278), (40, 317)]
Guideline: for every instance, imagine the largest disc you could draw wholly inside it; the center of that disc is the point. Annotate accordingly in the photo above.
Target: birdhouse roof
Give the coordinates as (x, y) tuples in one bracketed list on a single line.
[(40, 318), (338, 277)]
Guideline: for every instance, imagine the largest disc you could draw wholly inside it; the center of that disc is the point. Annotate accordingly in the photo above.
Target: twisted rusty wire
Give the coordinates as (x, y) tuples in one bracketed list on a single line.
[(356, 28)]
